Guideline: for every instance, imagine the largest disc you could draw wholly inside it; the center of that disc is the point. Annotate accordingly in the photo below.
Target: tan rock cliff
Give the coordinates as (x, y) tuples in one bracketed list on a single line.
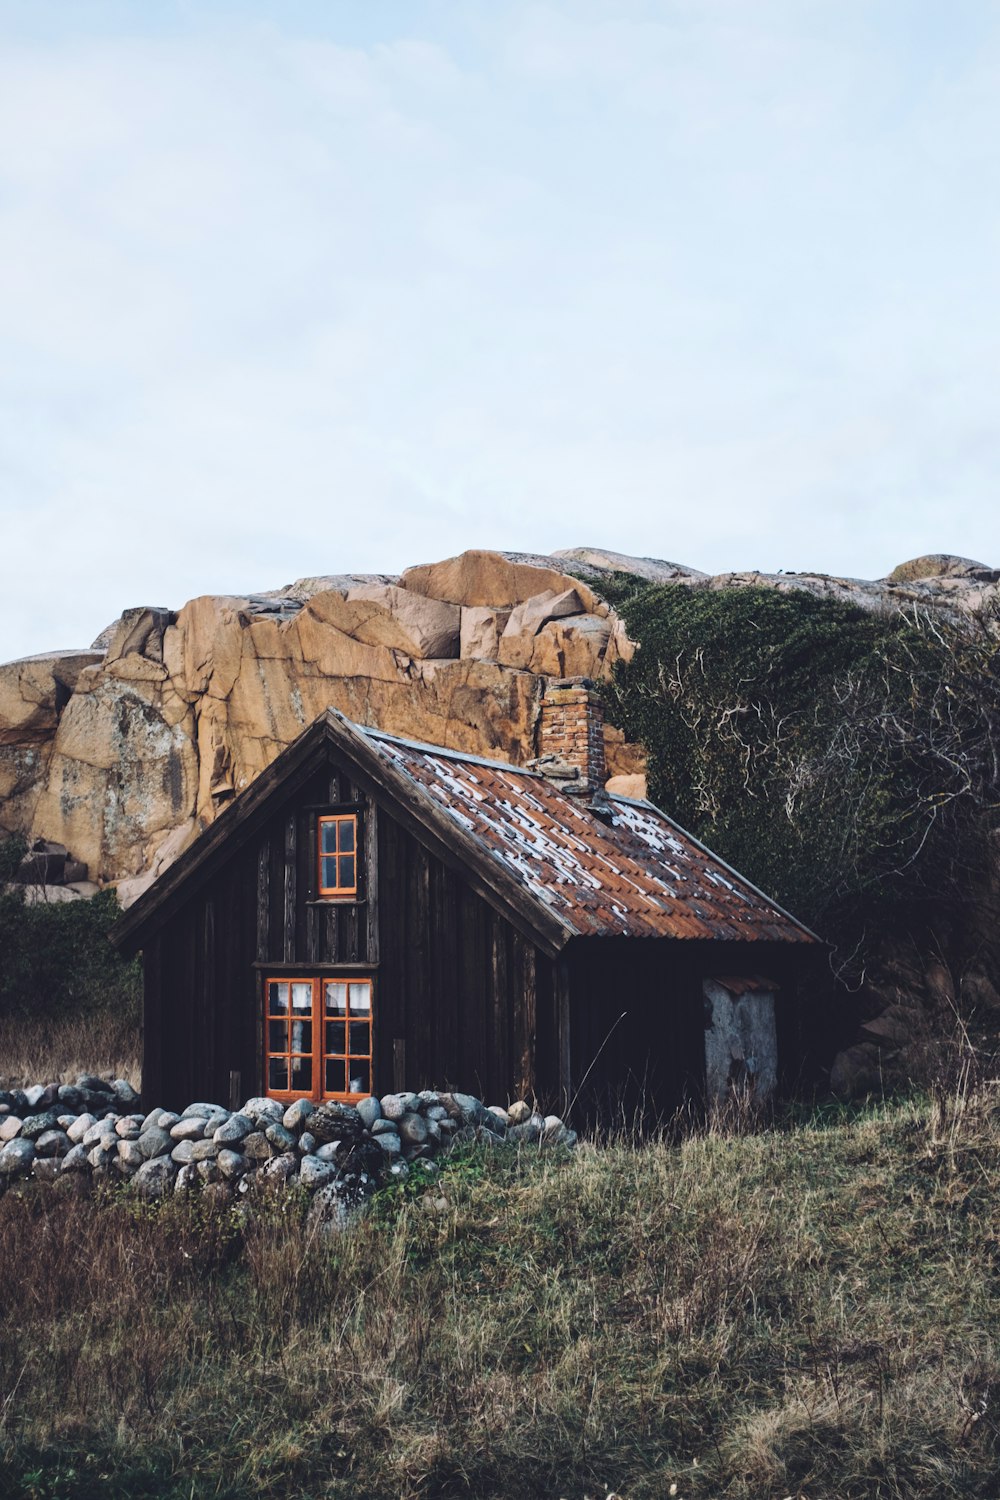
[(124, 752)]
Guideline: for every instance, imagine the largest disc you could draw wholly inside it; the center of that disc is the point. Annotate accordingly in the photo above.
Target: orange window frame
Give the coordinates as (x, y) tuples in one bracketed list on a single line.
[(337, 853), (318, 1037)]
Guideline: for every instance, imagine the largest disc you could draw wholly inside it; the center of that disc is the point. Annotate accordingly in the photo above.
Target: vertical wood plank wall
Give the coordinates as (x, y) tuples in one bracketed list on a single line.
[(459, 993), (457, 985), (461, 998)]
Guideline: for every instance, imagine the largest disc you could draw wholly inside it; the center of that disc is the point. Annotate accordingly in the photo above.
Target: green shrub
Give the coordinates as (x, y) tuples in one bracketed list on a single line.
[(12, 851), (842, 758), (56, 960)]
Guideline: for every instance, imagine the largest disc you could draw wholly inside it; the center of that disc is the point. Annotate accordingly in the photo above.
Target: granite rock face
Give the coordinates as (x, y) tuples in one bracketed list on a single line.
[(123, 753)]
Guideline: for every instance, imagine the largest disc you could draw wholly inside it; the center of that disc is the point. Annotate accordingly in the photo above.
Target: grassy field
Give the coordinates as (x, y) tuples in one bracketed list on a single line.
[(808, 1312), (56, 1049)]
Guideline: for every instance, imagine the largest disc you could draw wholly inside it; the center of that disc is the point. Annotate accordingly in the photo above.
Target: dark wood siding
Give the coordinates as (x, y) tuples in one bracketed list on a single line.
[(637, 1021), (459, 993), (456, 983), (462, 998), (636, 1031)]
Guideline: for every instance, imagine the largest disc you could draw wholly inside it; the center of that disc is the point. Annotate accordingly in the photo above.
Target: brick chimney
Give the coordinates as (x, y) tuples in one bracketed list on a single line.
[(571, 736)]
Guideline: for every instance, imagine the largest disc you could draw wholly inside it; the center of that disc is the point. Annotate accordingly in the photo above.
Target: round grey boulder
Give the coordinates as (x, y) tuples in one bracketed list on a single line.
[(280, 1169), (259, 1109), (187, 1179), (155, 1178), (233, 1130), (469, 1109), (130, 1155), (335, 1122), (279, 1137), (231, 1163), (370, 1110), (201, 1111), (257, 1147), (36, 1125), (413, 1129), (154, 1142), (16, 1157), (79, 1127), (328, 1212), (316, 1173), (297, 1114)]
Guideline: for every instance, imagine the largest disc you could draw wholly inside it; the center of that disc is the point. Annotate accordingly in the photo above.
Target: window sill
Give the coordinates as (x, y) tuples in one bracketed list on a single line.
[(337, 901)]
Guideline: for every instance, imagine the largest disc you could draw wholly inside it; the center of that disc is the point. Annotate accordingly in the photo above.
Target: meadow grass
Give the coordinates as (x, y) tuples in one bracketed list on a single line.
[(57, 1049), (809, 1311)]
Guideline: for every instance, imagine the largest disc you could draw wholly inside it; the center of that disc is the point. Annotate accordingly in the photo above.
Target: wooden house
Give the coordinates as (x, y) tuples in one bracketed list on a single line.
[(373, 914)]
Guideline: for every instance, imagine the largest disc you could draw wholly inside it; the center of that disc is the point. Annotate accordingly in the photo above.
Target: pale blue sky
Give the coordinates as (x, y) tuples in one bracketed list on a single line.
[(293, 288)]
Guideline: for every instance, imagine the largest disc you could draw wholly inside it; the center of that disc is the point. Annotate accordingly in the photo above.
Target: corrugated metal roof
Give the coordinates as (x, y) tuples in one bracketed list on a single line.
[(630, 871)]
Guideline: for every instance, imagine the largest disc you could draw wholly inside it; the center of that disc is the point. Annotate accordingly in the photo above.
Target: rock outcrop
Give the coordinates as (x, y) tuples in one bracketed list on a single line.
[(122, 753)]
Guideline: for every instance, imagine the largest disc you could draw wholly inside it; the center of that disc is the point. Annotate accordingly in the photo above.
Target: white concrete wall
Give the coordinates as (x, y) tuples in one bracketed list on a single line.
[(741, 1044)]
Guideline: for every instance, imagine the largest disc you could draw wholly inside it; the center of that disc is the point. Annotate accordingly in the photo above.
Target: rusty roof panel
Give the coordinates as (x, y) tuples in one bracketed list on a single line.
[(629, 871)]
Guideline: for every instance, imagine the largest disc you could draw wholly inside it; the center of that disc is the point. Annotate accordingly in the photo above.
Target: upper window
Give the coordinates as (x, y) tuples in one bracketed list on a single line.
[(338, 855)]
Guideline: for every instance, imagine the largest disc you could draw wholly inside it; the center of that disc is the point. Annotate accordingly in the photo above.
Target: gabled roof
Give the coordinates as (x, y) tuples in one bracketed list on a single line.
[(557, 865)]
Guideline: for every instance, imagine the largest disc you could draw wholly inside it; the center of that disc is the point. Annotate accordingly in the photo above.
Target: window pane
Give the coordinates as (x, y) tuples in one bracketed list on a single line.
[(346, 864), (302, 1036), (360, 1078), (347, 836), (277, 1036), (277, 1073), (302, 1073), (336, 1035), (302, 996), (328, 872), (361, 998), (334, 1077), (278, 995), (360, 1038), (336, 998), (328, 837)]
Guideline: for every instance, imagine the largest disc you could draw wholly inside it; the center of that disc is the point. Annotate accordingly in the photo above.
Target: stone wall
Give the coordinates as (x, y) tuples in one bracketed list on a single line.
[(93, 1131)]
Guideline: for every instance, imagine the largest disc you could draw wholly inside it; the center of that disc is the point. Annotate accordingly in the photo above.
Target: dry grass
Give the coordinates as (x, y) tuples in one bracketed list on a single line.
[(56, 1050), (806, 1312)]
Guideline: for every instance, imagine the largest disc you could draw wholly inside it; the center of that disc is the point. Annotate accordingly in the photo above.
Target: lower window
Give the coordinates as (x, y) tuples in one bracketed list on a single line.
[(318, 1038)]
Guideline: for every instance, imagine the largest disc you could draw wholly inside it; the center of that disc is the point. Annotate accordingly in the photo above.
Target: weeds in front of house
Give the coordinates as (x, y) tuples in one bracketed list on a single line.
[(805, 1311), (69, 1003), (45, 1049)]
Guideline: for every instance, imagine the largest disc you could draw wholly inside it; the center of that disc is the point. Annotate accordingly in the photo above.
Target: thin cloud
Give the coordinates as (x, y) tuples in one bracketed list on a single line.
[(296, 291)]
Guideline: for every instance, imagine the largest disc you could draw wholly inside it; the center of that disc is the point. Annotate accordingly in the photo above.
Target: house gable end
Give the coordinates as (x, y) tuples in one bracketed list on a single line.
[(333, 737)]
